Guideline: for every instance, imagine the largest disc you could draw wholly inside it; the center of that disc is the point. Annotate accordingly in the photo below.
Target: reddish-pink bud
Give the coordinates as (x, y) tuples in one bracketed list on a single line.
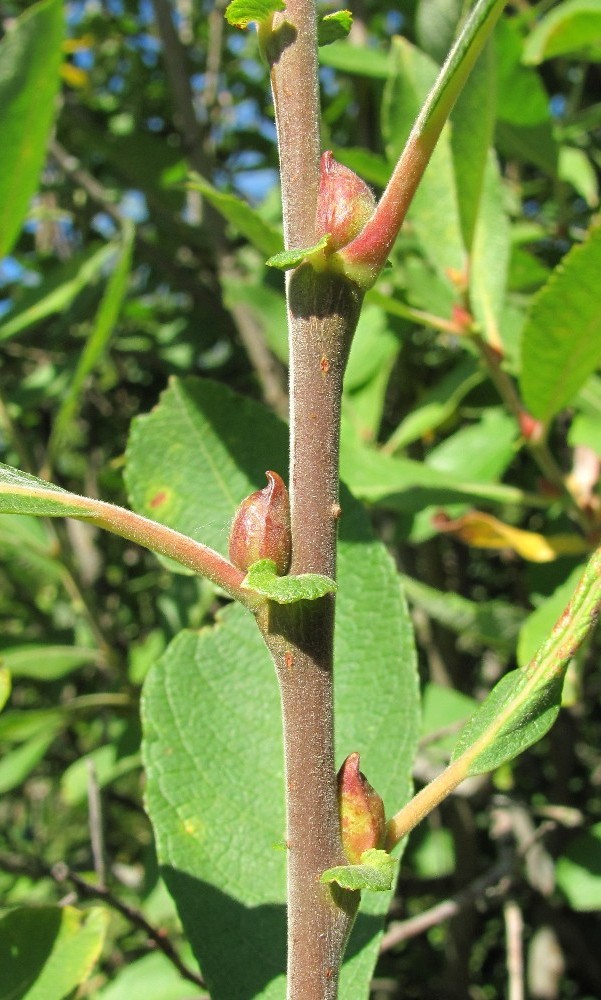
[(362, 820), (261, 527), (344, 203), (531, 429)]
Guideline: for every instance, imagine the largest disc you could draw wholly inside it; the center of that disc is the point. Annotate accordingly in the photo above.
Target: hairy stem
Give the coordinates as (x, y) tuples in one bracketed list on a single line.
[(322, 314)]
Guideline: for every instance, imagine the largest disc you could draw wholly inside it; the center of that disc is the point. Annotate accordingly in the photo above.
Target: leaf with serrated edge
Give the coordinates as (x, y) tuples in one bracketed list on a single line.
[(288, 259), (375, 872), (240, 13), (262, 577)]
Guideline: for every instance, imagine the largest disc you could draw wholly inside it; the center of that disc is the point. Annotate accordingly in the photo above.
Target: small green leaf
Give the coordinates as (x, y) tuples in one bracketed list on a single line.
[(263, 579), (240, 215), (375, 872), (240, 13), (561, 344), (334, 27), (46, 663), (287, 259)]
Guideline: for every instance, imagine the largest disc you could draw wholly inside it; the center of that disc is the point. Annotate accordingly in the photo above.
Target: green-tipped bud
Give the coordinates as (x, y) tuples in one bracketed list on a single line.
[(261, 527), (344, 203), (362, 820)]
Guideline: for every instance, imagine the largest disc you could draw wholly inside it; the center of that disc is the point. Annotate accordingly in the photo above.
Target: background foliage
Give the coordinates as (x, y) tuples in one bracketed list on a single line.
[(117, 280)]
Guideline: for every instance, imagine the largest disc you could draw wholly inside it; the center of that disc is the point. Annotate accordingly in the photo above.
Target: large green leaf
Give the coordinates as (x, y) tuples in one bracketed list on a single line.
[(211, 705), (561, 343), (489, 263), (46, 952), (30, 58)]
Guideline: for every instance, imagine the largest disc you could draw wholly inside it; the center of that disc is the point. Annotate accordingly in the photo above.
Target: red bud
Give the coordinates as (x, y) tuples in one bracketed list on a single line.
[(344, 203), (362, 820), (261, 527), (531, 428)]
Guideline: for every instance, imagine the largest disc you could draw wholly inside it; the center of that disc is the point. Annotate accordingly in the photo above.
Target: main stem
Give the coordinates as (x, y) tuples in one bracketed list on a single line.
[(322, 314)]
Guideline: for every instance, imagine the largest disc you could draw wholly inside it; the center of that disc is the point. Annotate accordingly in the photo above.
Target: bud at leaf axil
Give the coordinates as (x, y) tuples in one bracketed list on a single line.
[(261, 527), (362, 820), (344, 203)]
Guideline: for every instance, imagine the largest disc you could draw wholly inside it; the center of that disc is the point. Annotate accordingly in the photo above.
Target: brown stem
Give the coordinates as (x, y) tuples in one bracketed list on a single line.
[(322, 313)]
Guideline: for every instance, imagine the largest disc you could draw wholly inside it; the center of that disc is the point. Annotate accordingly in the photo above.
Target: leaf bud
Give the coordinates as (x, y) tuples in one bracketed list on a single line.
[(362, 820), (261, 527), (344, 203)]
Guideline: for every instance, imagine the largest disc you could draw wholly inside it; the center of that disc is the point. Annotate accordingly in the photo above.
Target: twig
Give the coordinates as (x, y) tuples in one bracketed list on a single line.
[(96, 824), (514, 932), (61, 873), (481, 889)]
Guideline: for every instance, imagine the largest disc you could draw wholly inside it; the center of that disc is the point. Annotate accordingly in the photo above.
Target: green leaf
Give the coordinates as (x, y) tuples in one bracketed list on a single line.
[(211, 709), (98, 339), (572, 28), (538, 625), (240, 215), (5, 686), (108, 767), (240, 13), (375, 872), (46, 663), (47, 952), (358, 60), (561, 343), (521, 95), (436, 406), (578, 870), (489, 261), (17, 765), (576, 168), (471, 137), (436, 26), (477, 623), (30, 59), (287, 259), (152, 976), (454, 473), (525, 703), (262, 577), (333, 27), (57, 291)]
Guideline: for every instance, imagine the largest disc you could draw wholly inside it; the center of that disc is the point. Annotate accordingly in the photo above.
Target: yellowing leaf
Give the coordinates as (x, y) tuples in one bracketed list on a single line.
[(484, 531), (74, 76)]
